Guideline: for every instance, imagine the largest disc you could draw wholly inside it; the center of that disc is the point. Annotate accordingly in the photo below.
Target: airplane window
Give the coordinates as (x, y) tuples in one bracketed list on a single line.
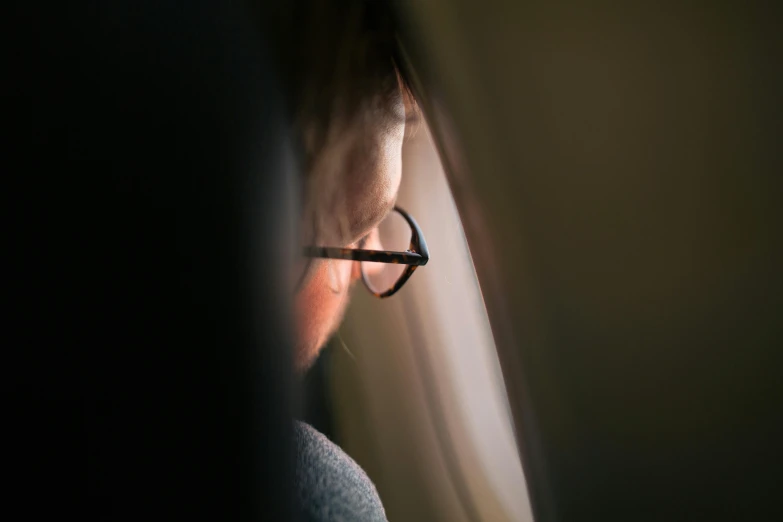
[(411, 387)]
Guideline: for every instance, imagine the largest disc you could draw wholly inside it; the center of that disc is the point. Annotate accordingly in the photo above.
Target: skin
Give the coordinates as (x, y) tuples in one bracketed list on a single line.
[(371, 183)]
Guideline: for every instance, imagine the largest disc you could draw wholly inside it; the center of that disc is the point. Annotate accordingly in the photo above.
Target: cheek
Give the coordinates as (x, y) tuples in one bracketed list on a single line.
[(320, 306)]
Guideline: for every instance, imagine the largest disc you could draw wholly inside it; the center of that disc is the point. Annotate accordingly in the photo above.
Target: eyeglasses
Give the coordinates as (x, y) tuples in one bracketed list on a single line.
[(385, 271)]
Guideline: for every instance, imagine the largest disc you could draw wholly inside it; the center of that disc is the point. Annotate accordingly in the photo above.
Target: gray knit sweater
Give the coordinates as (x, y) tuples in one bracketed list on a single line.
[(330, 486)]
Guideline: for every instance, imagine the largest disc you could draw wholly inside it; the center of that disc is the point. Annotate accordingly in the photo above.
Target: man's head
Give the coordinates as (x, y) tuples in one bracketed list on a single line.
[(349, 103), (361, 193)]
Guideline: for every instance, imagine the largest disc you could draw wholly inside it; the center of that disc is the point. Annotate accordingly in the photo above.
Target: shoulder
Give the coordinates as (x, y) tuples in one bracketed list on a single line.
[(329, 484)]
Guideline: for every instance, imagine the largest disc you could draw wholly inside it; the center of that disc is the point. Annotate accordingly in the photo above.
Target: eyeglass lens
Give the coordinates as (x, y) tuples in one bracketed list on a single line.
[(393, 235)]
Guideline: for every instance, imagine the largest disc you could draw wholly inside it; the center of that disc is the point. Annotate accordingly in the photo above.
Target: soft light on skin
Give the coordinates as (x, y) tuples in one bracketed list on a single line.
[(371, 183)]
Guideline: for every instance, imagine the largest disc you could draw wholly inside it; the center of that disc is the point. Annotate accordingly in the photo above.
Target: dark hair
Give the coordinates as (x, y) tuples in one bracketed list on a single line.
[(338, 61), (337, 58)]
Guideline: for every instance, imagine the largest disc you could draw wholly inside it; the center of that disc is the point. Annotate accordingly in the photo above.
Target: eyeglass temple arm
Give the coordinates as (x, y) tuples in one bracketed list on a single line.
[(376, 256)]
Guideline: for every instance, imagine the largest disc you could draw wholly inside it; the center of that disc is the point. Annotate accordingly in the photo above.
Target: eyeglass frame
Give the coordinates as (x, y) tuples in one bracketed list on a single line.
[(417, 255)]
